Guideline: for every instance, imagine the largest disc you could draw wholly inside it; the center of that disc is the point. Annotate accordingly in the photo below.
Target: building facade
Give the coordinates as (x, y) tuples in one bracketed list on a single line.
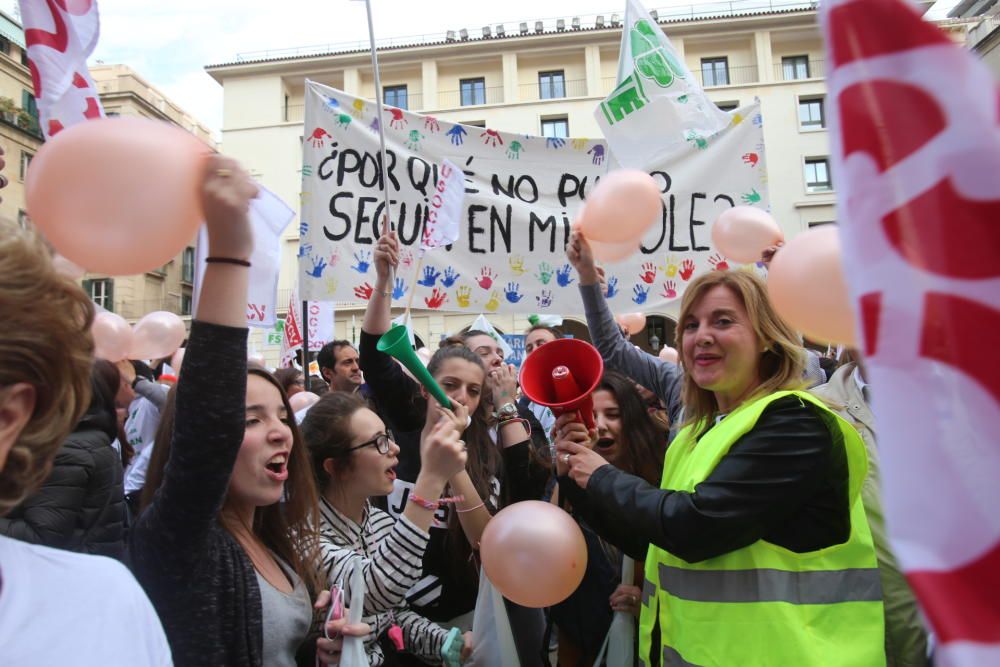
[(546, 78), (984, 31)]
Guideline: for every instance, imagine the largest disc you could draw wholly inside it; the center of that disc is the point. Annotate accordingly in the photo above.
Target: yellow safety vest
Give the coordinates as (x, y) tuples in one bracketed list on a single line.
[(763, 604)]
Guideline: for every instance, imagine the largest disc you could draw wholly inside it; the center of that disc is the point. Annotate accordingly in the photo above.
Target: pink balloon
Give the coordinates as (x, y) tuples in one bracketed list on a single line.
[(302, 400), (157, 335), (807, 286), (622, 207), (613, 252), (112, 336), (133, 209), (534, 553), (177, 360), (743, 232), (633, 322), (669, 354)]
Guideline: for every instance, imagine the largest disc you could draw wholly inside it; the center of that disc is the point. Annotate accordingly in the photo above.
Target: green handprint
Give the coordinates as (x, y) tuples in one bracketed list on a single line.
[(545, 273), (696, 139), (514, 150), (751, 197), (343, 120), (414, 140), (652, 61)]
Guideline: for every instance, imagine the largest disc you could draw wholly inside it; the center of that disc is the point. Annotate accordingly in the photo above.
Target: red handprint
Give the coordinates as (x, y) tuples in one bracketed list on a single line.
[(364, 291), (751, 159), (486, 277), (718, 262), (431, 124), (397, 120), (491, 138), (648, 274), (436, 298), (687, 269), (670, 289), (317, 136)]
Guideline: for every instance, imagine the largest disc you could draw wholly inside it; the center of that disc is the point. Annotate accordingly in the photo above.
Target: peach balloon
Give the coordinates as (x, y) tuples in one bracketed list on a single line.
[(112, 336), (157, 335), (633, 322), (742, 233), (534, 553), (302, 400), (622, 207), (117, 195), (67, 268), (669, 354), (614, 252), (807, 286)]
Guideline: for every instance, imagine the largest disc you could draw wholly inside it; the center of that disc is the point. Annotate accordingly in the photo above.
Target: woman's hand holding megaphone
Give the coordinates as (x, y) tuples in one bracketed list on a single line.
[(570, 435)]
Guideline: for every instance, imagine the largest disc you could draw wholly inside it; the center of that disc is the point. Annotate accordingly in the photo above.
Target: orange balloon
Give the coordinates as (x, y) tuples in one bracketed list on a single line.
[(117, 195), (112, 336), (302, 400), (622, 207), (534, 553), (613, 252), (807, 286), (668, 354), (157, 336), (633, 322), (743, 232)]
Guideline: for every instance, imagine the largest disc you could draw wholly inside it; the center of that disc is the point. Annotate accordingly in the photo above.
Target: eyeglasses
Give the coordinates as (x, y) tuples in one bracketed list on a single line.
[(380, 441)]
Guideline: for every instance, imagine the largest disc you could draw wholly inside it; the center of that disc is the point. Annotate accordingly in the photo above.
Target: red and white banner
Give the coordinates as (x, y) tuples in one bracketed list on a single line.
[(61, 35), (320, 327), (916, 140), (442, 226)]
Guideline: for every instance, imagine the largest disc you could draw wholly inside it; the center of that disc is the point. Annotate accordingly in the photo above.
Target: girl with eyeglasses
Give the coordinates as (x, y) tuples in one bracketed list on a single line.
[(355, 458)]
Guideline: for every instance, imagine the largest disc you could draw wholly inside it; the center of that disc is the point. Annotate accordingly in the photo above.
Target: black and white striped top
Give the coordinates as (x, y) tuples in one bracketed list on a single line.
[(391, 554)]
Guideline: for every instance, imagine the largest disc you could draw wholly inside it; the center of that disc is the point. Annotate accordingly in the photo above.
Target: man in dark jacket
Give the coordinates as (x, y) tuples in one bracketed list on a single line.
[(81, 505)]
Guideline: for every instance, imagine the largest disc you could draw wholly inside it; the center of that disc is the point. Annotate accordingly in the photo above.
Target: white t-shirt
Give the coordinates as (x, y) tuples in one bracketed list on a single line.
[(64, 608), (140, 428)]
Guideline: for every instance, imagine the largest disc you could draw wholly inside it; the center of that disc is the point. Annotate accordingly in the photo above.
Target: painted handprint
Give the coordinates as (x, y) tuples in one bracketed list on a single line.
[(612, 287), (514, 150), (436, 298), (758, 120), (364, 291), (639, 294), (399, 289), (449, 277), (751, 197), (318, 265), (544, 299), (332, 103), (398, 121), (718, 262), (563, 277), (406, 258), (317, 137), (513, 292), (304, 249), (431, 124), (363, 259), (696, 139), (343, 120), (413, 140), (357, 108), (491, 138), (598, 153), (375, 125), (517, 265), (751, 159), (486, 277), (430, 277), (335, 256), (306, 170), (463, 296), (545, 272), (331, 284), (494, 302), (457, 134), (648, 274), (670, 268), (554, 142), (580, 144), (670, 289), (687, 269), (303, 228)]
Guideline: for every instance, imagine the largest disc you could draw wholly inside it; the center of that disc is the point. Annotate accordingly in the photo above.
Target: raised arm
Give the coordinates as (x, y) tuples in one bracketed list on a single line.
[(378, 313)]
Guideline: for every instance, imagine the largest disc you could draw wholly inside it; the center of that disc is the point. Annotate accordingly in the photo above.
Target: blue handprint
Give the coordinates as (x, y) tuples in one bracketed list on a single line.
[(303, 228), (318, 265), (449, 277), (612, 287), (513, 292), (457, 134), (305, 249), (399, 290), (332, 103), (598, 153), (639, 294), (562, 275), (430, 277), (363, 259), (554, 142), (545, 299)]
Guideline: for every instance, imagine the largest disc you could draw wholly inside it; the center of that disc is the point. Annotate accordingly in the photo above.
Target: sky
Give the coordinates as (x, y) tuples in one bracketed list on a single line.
[(170, 43)]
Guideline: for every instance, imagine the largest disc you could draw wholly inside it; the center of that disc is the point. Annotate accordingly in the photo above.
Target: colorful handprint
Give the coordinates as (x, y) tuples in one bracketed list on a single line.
[(413, 140), (436, 298), (494, 302), (430, 277), (648, 274), (751, 197), (463, 296), (449, 277), (364, 291), (513, 292), (687, 269), (317, 137), (486, 276), (545, 273), (406, 258), (670, 268), (718, 262), (598, 153), (563, 276), (399, 289), (517, 265), (554, 142), (457, 134), (398, 121), (751, 159), (375, 125), (318, 265), (639, 294), (580, 144), (544, 299), (670, 290), (363, 259), (612, 291), (343, 120), (431, 124), (357, 108), (491, 138)]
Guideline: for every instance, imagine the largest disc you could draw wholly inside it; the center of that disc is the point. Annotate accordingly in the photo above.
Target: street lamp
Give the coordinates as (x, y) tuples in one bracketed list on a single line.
[(654, 342)]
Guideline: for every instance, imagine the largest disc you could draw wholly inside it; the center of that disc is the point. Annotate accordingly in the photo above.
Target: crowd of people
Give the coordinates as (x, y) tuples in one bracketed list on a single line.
[(729, 502)]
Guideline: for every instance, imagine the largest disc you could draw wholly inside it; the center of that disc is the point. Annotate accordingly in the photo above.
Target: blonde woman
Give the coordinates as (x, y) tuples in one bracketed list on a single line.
[(759, 552)]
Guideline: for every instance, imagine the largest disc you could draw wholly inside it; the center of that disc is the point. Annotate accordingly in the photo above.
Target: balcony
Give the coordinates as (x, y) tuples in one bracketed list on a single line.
[(22, 121), (453, 99), (534, 92), (789, 72), (741, 75)]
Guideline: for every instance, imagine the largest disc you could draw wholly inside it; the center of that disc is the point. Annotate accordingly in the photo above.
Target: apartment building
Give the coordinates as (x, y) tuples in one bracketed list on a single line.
[(984, 31)]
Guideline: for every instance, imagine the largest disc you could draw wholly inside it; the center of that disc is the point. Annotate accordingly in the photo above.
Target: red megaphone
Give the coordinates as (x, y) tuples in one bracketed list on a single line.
[(562, 375)]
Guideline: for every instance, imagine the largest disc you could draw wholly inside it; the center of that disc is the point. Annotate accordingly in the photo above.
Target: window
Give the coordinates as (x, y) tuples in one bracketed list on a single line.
[(818, 175), (473, 91), (4, 45), (555, 127), (715, 71), (25, 161), (728, 106), (29, 104), (395, 96), (795, 67), (820, 223), (475, 123), (551, 85), (101, 292), (811, 116), (187, 265), (24, 57), (285, 110), (23, 220), (185, 304)]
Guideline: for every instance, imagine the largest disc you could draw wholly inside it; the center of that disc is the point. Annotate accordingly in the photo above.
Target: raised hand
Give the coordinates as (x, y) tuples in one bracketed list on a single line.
[(687, 269), (463, 296), (669, 290), (226, 192), (449, 277), (648, 274), (639, 294), (399, 289), (436, 298), (513, 292), (562, 276), (386, 254), (442, 452), (363, 259), (545, 299), (545, 272), (318, 265), (364, 291), (494, 302), (430, 277), (579, 254), (486, 276)]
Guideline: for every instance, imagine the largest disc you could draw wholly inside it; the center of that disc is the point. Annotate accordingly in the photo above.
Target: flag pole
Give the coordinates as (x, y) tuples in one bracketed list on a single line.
[(378, 104), (306, 380)]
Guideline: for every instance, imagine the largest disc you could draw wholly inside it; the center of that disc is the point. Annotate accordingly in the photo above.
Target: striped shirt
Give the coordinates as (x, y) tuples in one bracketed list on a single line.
[(391, 555)]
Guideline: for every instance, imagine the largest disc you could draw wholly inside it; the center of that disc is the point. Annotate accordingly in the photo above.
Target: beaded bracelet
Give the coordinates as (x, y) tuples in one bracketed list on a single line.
[(434, 504), (516, 420)]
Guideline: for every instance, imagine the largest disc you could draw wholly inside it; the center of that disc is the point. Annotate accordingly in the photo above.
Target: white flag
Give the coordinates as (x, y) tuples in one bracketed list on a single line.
[(483, 324), (320, 326), (445, 208)]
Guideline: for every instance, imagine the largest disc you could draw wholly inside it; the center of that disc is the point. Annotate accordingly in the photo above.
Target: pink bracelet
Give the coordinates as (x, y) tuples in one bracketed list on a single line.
[(434, 504), (471, 508)]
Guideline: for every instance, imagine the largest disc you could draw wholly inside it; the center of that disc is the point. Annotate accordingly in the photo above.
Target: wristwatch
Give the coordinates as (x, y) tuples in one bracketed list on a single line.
[(507, 411)]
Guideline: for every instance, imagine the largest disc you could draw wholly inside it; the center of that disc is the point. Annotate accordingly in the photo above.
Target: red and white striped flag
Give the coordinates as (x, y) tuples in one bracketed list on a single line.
[(916, 142), (61, 35)]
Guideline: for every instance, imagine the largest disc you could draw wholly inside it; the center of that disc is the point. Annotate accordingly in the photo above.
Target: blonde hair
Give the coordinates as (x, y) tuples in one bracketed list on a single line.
[(782, 361), (47, 344)]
